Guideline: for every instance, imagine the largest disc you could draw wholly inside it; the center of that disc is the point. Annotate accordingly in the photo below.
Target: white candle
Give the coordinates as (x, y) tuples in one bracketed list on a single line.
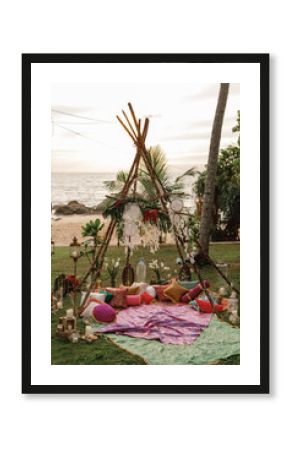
[(69, 313), (74, 254), (222, 291), (88, 331)]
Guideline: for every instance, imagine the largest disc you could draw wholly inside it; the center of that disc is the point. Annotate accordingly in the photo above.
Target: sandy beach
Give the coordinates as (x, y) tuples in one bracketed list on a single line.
[(64, 228)]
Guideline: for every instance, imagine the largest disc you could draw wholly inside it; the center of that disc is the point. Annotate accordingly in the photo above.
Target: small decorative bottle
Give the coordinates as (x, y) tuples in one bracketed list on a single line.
[(141, 271)]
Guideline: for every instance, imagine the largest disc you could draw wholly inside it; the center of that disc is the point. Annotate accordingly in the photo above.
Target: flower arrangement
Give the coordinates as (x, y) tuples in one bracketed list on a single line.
[(112, 268), (159, 270)]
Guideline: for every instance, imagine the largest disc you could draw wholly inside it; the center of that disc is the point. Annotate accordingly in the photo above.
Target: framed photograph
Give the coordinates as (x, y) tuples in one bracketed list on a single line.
[(158, 225)]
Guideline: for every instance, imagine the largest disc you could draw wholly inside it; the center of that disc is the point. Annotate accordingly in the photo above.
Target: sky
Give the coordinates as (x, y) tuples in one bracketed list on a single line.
[(86, 136)]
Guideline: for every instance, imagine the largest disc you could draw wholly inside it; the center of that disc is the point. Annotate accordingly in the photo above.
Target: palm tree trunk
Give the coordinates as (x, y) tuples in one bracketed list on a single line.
[(210, 182)]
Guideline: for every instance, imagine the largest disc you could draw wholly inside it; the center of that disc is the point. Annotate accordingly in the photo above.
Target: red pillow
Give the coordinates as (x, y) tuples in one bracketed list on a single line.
[(119, 297), (193, 293), (147, 298), (205, 306)]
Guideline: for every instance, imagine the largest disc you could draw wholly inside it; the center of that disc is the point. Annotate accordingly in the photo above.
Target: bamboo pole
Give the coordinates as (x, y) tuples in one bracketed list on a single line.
[(127, 129), (133, 115), (129, 124)]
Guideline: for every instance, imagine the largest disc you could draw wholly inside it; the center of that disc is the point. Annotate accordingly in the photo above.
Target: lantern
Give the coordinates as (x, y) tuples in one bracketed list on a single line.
[(75, 249)]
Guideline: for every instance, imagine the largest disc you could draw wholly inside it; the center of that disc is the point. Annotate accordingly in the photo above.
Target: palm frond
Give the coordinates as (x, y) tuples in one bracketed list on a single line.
[(188, 173), (118, 183)]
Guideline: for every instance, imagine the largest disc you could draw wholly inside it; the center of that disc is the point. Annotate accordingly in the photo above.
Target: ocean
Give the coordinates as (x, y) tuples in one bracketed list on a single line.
[(89, 188)]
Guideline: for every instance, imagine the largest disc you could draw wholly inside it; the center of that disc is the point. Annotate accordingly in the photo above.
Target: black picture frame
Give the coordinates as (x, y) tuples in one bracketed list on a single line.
[(27, 61)]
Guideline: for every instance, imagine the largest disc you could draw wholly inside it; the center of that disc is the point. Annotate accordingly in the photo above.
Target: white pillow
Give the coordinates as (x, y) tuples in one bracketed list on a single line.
[(88, 311), (151, 291), (95, 295)]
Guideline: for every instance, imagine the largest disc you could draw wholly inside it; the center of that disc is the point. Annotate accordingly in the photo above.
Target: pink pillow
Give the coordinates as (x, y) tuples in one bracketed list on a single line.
[(160, 288), (104, 313), (133, 300), (119, 297), (147, 298), (193, 293)]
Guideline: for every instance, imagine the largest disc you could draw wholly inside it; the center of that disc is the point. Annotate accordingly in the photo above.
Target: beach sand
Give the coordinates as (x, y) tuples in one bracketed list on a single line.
[(65, 228)]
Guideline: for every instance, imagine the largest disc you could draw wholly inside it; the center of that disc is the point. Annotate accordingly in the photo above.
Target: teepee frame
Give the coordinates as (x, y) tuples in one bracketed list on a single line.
[(138, 134)]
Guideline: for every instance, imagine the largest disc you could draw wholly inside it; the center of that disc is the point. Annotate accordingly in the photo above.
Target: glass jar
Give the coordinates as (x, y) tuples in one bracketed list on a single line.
[(141, 271)]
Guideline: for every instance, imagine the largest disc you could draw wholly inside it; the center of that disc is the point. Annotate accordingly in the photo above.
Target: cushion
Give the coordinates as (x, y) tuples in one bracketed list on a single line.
[(188, 284), (174, 292), (205, 306), (147, 298), (119, 297), (132, 290), (193, 293), (87, 312), (108, 297), (104, 313), (141, 287), (150, 290), (159, 289), (101, 296), (133, 300)]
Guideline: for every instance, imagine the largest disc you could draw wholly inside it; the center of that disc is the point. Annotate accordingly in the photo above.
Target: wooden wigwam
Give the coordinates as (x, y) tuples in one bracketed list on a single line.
[(138, 135)]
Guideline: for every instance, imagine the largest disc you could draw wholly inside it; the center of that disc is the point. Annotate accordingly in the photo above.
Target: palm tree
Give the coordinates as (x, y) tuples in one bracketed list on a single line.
[(158, 161), (210, 181)]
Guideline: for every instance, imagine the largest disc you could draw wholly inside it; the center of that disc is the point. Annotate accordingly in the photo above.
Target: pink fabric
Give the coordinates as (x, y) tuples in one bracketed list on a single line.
[(177, 324)]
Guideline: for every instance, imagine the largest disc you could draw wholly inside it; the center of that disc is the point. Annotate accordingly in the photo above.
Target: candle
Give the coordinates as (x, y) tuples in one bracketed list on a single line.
[(88, 331), (74, 254), (222, 291), (70, 313), (70, 328)]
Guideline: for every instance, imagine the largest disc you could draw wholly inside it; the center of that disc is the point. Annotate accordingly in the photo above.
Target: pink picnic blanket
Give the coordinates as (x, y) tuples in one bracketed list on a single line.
[(178, 324)]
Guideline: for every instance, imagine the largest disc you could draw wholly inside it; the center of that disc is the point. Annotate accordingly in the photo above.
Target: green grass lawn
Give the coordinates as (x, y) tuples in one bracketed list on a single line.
[(103, 351)]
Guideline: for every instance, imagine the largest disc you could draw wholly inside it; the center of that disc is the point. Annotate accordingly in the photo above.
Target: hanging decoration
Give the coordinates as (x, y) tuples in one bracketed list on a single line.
[(177, 205)]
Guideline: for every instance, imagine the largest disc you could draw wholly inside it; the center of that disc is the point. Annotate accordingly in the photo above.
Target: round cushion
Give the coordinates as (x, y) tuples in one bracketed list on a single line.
[(147, 298), (151, 291), (133, 300), (104, 313), (88, 310)]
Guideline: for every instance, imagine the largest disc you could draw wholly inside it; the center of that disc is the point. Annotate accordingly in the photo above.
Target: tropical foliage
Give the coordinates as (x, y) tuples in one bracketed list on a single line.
[(226, 214), (145, 195)]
